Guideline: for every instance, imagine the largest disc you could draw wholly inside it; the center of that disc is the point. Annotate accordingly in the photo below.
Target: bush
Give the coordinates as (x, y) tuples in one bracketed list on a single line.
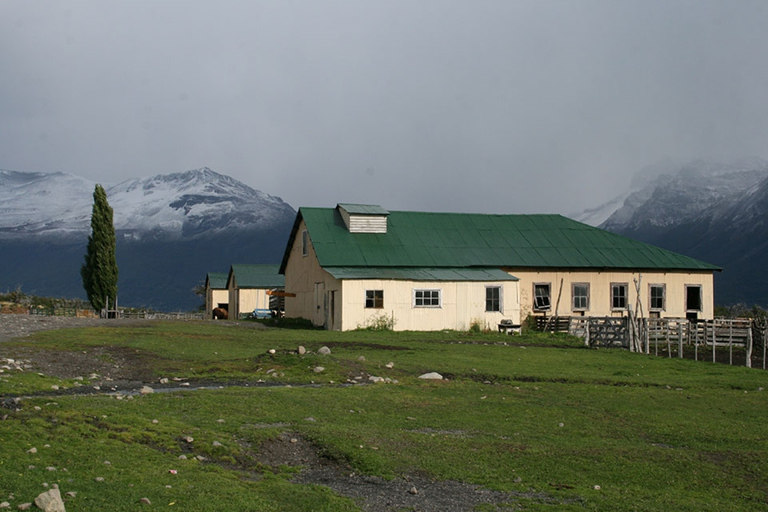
[(380, 322)]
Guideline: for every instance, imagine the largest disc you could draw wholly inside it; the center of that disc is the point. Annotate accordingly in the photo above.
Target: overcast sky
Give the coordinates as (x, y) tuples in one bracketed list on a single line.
[(475, 106)]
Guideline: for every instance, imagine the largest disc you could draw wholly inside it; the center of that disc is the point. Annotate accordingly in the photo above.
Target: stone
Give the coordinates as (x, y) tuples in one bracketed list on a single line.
[(271, 351), (431, 376), (71, 494), (55, 387), (145, 501), (50, 501), (413, 490), (25, 506), (318, 369), (216, 443), (32, 450), (375, 379), (188, 439), (5, 504), (324, 351), (146, 390), (99, 479), (301, 350), (361, 359), (164, 380), (390, 365), (182, 457)]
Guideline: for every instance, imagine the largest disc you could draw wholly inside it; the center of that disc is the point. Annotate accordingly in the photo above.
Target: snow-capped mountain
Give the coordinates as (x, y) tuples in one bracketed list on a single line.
[(716, 211), (694, 188), (181, 205), (171, 230)]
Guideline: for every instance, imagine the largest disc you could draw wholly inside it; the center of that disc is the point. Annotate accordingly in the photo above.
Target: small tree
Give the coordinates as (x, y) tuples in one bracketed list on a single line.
[(99, 272)]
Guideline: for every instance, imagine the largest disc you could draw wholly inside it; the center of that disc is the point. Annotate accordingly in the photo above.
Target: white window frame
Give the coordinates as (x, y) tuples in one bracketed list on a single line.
[(304, 243), (688, 309), (573, 297), (431, 291), (626, 296), (543, 307), (663, 287), (373, 298), (500, 299)]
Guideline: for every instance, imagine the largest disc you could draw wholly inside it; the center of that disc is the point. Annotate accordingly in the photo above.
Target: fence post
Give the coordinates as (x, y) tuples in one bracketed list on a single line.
[(714, 341), (679, 340), (695, 340), (730, 342), (749, 346)]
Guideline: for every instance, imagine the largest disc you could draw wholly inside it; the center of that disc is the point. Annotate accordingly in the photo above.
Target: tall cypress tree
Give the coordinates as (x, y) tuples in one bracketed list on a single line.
[(99, 272)]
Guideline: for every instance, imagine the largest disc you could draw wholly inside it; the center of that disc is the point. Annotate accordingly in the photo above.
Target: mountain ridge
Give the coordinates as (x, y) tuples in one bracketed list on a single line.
[(171, 230)]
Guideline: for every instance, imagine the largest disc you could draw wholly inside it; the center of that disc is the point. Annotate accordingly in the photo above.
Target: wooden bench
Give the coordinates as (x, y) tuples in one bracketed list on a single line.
[(508, 327)]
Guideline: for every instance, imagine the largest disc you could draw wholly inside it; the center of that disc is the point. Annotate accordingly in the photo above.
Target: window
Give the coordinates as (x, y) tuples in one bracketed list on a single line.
[(656, 296), (374, 299), (580, 294), (493, 298), (426, 298), (618, 295), (541, 294), (692, 298), (304, 243)]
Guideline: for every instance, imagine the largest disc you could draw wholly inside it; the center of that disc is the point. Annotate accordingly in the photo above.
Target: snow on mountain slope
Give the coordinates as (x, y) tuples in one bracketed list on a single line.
[(688, 193), (671, 192), (33, 203), (191, 203), (187, 204)]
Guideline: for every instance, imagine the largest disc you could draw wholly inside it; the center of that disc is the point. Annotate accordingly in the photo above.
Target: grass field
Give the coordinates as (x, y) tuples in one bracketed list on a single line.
[(556, 425)]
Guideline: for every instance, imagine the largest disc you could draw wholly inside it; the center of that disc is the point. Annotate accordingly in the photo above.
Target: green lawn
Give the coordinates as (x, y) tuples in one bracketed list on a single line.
[(543, 416)]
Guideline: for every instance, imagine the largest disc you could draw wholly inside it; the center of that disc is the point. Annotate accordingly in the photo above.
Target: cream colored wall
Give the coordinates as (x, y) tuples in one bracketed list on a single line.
[(600, 290), (302, 275), (250, 299), (245, 300), (214, 297), (463, 303)]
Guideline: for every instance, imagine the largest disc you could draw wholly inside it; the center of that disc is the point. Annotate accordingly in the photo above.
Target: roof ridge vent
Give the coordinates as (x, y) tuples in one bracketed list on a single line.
[(363, 218)]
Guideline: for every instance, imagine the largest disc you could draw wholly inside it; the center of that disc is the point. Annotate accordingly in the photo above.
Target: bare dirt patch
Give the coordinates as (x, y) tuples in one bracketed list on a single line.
[(416, 492)]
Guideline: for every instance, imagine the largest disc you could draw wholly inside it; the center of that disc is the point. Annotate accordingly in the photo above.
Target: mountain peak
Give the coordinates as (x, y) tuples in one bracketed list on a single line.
[(186, 204)]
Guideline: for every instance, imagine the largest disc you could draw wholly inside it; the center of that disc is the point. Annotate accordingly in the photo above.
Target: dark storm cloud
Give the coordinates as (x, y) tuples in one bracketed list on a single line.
[(497, 106)]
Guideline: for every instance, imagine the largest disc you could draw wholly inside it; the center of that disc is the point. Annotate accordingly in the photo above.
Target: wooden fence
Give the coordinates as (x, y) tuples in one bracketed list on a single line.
[(722, 339)]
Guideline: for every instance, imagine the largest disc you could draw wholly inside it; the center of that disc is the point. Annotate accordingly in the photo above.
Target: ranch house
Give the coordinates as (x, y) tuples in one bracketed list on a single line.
[(216, 293), (247, 286), (357, 265)]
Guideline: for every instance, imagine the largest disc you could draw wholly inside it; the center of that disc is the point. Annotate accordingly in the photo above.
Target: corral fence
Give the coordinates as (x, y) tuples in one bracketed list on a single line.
[(741, 341), (151, 315), (71, 312)]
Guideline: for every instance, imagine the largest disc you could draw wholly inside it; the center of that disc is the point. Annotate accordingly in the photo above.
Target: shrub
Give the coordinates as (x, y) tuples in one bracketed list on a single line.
[(380, 322)]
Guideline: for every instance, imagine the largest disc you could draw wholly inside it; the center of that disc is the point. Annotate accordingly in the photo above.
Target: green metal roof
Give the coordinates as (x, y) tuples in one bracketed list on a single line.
[(421, 274), (438, 240), (364, 209), (217, 280), (257, 276)]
